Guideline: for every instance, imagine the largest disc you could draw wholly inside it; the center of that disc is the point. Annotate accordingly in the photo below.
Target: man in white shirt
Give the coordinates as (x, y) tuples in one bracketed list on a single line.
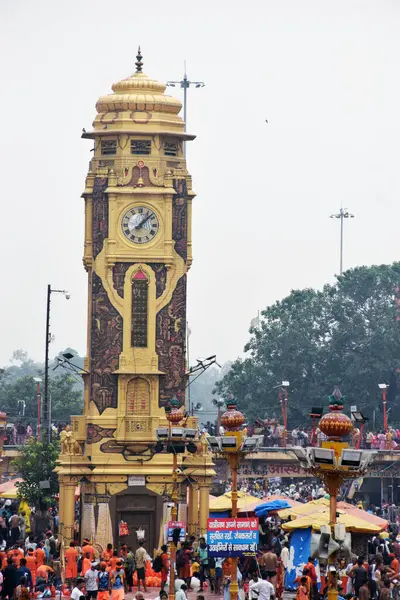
[(77, 591), (181, 594), (254, 579), (91, 582), (285, 554), (264, 589), (178, 583)]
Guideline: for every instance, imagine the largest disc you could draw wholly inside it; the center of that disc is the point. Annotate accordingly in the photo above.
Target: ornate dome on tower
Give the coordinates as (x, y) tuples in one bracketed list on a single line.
[(137, 100)]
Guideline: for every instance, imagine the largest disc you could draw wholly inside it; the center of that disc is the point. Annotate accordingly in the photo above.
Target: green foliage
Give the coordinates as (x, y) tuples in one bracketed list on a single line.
[(65, 399), (17, 383), (345, 334), (36, 463)]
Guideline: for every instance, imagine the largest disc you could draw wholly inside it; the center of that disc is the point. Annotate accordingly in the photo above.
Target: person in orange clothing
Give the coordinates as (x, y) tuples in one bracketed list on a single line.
[(165, 566), (71, 567), (31, 564), (44, 571), (40, 555), (107, 553), (86, 564), (16, 556), (305, 581), (86, 547), (302, 590), (395, 563), (114, 560)]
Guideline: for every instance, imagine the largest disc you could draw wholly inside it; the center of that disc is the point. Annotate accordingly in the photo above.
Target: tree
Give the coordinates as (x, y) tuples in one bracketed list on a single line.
[(35, 464), (344, 334), (64, 390)]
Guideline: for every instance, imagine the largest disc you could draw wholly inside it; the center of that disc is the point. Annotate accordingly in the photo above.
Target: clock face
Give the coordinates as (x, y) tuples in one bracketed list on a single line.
[(140, 224)]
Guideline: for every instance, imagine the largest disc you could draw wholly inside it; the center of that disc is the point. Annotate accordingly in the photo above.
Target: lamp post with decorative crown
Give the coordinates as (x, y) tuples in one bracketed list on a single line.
[(335, 425), (233, 445), (175, 439), (174, 417), (334, 463), (232, 419)]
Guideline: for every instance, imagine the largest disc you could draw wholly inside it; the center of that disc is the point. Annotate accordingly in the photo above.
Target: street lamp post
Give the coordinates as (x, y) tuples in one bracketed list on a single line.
[(185, 84), (233, 445), (342, 214), (383, 387), (283, 401), (46, 411), (360, 419), (218, 403), (38, 394), (175, 439), (334, 462)]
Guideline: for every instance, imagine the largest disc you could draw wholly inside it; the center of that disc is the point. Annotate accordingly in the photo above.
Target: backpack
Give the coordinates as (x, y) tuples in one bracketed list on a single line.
[(157, 564)]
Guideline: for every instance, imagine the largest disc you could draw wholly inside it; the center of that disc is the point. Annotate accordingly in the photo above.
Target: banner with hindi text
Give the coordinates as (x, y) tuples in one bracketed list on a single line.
[(232, 537)]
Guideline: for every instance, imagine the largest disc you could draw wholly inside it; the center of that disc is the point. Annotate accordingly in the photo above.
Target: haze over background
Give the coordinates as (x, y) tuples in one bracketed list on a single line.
[(324, 74)]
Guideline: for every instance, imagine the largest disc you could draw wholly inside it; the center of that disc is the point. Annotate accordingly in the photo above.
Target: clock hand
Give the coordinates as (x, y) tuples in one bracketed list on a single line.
[(143, 221)]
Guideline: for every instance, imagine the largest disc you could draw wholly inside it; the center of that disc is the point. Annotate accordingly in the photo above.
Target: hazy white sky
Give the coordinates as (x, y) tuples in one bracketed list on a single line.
[(324, 73)]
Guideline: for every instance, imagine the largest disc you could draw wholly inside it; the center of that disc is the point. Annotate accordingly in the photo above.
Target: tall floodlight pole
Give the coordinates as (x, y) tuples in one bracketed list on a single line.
[(342, 214), (46, 403), (185, 84)]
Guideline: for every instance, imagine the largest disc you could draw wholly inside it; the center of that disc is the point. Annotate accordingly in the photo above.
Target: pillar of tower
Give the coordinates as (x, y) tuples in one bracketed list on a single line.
[(61, 503), (69, 512), (204, 507), (193, 512)]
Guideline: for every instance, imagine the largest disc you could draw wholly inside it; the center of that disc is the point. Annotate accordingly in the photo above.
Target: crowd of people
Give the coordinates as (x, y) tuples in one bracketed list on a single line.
[(17, 434), (274, 435)]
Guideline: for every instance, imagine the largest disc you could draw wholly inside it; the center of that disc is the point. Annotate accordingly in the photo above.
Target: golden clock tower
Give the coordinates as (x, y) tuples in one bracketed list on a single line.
[(138, 249)]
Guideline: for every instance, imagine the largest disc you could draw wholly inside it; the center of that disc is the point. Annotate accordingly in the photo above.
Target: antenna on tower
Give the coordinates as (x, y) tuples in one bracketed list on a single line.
[(139, 61)]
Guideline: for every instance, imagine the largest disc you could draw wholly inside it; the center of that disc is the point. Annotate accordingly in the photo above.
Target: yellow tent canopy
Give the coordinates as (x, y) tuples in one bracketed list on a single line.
[(246, 502), (316, 519), (300, 510), (9, 488), (316, 513)]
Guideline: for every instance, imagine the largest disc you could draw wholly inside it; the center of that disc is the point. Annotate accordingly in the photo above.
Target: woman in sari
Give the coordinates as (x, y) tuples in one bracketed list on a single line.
[(280, 579)]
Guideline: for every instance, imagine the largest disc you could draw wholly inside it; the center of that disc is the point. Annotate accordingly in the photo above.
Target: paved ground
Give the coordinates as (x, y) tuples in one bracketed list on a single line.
[(153, 593)]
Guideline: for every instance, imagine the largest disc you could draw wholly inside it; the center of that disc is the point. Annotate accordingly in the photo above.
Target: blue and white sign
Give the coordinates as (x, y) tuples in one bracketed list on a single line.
[(232, 537)]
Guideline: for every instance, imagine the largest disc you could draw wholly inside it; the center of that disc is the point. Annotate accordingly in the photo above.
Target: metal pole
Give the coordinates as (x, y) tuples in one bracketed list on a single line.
[(185, 87), (46, 428), (341, 240), (185, 84), (174, 517), (385, 421), (38, 411), (234, 462), (342, 214), (285, 401), (333, 482), (190, 407)]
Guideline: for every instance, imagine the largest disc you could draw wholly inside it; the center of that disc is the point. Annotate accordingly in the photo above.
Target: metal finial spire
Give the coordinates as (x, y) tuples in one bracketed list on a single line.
[(139, 62)]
